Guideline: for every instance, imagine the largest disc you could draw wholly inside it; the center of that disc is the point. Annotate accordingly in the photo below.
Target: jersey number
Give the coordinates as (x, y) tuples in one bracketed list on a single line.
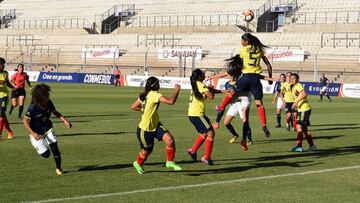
[(254, 64)]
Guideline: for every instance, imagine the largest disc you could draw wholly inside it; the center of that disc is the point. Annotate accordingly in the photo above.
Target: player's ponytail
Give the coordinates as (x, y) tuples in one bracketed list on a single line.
[(234, 66), (152, 84), (254, 42), (197, 75)]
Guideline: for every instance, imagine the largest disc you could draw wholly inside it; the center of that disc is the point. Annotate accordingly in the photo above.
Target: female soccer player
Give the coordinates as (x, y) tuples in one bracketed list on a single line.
[(4, 95), (324, 83), (37, 122), (288, 100), (303, 108), (150, 127), (251, 53), (117, 74), (19, 93), (196, 113), (277, 96)]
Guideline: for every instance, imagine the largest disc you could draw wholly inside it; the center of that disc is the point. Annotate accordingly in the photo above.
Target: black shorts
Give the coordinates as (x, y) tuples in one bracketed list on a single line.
[(17, 93), (3, 104), (201, 123), (303, 118), (146, 138), (117, 77), (288, 107), (250, 82)]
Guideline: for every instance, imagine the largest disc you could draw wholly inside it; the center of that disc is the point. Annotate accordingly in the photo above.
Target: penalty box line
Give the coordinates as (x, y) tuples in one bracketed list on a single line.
[(195, 185)]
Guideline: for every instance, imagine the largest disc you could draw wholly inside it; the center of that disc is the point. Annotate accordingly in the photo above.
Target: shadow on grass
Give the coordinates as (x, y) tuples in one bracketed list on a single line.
[(95, 133), (326, 137), (336, 124), (98, 115), (335, 128)]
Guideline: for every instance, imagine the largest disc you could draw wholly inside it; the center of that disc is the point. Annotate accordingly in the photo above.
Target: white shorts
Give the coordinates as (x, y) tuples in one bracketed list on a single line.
[(279, 104), (237, 107), (42, 145), (323, 90)]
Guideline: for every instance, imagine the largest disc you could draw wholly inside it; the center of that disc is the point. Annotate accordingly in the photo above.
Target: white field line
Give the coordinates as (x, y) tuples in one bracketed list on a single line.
[(195, 185)]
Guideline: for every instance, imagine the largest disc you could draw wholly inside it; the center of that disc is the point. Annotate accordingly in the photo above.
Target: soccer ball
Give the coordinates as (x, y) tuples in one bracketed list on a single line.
[(248, 15)]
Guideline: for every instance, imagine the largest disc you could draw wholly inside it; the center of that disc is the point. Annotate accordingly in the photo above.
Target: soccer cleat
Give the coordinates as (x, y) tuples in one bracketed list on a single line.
[(192, 155), (232, 140), (58, 172), (266, 131), (312, 148), (278, 126), (207, 162), (287, 127), (296, 149), (218, 109), (10, 135), (250, 142), (138, 168), (171, 164), (244, 145)]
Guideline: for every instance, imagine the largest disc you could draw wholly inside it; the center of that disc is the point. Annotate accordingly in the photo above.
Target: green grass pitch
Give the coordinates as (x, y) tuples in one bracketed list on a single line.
[(98, 152)]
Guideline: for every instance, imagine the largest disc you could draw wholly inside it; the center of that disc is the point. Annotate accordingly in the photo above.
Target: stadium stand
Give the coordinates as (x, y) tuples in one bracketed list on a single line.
[(50, 35)]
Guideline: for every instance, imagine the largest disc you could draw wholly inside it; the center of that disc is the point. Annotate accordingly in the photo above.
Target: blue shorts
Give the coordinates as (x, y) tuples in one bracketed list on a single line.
[(146, 138), (250, 82), (3, 104), (201, 123), (288, 107)]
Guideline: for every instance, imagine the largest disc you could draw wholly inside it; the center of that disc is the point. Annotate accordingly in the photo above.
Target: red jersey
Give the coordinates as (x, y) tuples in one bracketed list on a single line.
[(117, 72), (19, 79)]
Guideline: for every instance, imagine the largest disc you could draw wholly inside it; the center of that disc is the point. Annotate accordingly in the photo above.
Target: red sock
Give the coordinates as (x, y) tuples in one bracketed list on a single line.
[(170, 153), (262, 115), (225, 101), (141, 159), (299, 139), (199, 141), (1, 125), (309, 138), (294, 122), (208, 147), (6, 125)]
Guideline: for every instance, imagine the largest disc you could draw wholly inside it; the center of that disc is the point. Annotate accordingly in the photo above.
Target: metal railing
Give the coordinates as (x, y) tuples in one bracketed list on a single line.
[(272, 26), (120, 16), (340, 39), (157, 40), (112, 11), (263, 8), (15, 40), (326, 17), (56, 23)]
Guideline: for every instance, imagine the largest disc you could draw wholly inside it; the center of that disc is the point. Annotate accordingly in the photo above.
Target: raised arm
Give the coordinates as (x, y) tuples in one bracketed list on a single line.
[(173, 98)]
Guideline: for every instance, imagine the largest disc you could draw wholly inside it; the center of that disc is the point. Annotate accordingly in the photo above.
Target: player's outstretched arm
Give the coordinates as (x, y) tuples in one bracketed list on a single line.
[(136, 106), (268, 66), (67, 123), (26, 121), (173, 98), (220, 75)]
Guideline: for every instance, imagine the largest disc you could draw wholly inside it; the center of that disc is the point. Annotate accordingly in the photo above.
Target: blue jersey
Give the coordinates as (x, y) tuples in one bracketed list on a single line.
[(40, 118), (229, 85), (277, 87)]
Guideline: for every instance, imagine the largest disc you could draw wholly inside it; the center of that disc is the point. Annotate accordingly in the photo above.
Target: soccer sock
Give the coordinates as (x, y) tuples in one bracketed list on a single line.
[(225, 102), (278, 118), (6, 124), (141, 159), (11, 109), (219, 116), (170, 153), (309, 138), (299, 139), (21, 109), (56, 153), (231, 129), (208, 147), (199, 141), (328, 96), (321, 96), (262, 115), (249, 135), (294, 123), (246, 129)]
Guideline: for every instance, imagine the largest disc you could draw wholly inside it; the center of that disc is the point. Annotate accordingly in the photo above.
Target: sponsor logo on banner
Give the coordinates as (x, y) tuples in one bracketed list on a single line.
[(176, 53), (313, 88), (98, 79), (285, 55), (57, 77), (165, 82), (100, 53), (350, 90)]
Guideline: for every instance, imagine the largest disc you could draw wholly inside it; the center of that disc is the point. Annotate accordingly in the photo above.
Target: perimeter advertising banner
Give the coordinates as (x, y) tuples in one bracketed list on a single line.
[(170, 54), (285, 55), (100, 53), (350, 90)]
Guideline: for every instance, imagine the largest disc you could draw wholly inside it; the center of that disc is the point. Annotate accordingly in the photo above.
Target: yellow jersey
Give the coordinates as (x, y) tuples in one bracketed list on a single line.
[(196, 106), (286, 89), (251, 59), (4, 78), (150, 118), (303, 105)]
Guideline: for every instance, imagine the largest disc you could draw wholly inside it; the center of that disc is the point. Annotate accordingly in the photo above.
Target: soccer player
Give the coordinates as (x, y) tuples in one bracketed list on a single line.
[(37, 122), (19, 93), (117, 74), (251, 53), (277, 96), (303, 108), (4, 96), (288, 99), (324, 83), (150, 127), (196, 113)]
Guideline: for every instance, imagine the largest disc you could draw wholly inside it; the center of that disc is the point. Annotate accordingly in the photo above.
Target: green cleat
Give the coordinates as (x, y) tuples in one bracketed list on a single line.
[(171, 164), (296, 149), (138, 168)]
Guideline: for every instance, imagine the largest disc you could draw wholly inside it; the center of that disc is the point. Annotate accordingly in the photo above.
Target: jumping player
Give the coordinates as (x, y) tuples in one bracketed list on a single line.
[(4, 96), (288, 100), (19, 93), (251, 53), (196, 113), (150, 127), (37, 122), (324, 83), (277, 97), (303, 108)]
